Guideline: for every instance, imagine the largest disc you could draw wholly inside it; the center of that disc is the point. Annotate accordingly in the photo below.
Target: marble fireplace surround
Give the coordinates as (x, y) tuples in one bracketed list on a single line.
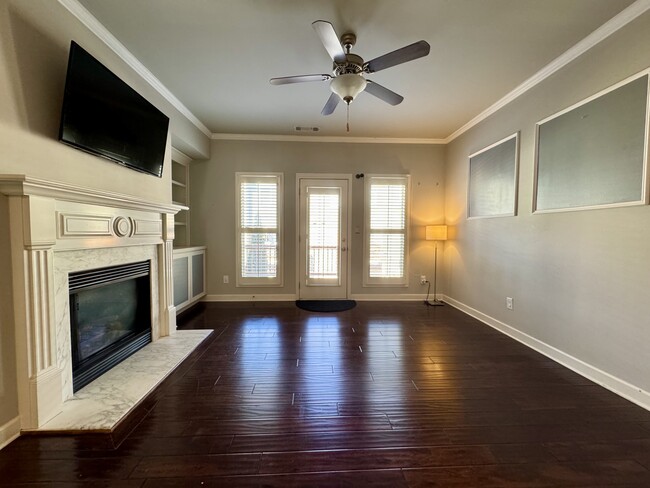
[(56, 229)]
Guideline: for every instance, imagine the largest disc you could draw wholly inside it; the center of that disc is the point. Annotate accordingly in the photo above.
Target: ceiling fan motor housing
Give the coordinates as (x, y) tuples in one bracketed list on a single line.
[(353, 65)]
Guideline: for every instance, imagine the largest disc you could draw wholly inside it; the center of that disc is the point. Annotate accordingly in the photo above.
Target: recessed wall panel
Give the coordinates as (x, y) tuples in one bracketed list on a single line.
[(594, 154), (493, 180)]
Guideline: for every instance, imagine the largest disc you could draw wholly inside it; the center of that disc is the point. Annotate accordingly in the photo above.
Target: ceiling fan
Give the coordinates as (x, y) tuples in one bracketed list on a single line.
[(348, 71)]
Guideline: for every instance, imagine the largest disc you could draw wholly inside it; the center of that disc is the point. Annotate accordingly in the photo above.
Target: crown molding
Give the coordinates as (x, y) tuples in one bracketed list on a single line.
[(357, 140), (97, 28), (604, 31)]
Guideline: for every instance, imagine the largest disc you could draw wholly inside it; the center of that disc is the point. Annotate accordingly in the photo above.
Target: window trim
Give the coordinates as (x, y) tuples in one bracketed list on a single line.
[(278, 280), (402, 281)]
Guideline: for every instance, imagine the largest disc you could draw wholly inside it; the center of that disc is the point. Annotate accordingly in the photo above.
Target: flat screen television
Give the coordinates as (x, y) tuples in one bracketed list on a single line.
[(104, 116)]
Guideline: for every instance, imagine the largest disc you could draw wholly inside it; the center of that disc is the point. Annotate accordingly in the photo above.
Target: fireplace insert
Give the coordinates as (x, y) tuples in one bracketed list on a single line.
[(110, 318)]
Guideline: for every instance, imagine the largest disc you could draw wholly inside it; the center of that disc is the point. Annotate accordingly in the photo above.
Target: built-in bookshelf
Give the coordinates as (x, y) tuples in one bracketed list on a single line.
[(181, 196), (189, 262)]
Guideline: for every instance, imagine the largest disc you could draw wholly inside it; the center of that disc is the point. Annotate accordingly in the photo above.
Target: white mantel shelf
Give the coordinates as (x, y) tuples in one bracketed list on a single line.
[(23, 185)]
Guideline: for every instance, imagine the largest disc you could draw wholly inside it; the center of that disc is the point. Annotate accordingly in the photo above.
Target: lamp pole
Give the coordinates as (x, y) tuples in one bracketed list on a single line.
[(435, 270), (435, 302), (435, 233)]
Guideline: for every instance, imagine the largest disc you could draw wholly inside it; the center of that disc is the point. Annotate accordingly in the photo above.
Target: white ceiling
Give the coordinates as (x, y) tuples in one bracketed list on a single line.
[(216, 57)]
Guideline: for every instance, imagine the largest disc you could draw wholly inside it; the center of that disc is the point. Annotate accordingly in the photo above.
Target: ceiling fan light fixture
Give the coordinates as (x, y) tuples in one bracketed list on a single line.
[(348, 86)]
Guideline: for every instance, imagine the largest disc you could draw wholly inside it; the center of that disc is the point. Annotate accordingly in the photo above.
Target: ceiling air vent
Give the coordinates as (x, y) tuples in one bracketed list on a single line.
[(300, 128)]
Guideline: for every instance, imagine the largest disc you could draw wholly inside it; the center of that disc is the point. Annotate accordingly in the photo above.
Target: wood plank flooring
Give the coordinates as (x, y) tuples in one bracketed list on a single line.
[(387, 395)]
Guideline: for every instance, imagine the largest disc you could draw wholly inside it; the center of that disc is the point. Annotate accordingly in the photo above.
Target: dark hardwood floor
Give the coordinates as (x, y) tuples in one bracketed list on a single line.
[(387, 394)]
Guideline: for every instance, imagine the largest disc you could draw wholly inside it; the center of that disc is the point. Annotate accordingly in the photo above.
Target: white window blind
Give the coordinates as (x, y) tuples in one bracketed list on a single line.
[(258, 212), (386, 230)]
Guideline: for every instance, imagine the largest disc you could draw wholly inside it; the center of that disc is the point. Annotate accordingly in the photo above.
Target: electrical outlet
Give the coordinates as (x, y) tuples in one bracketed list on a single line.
[(423, 280), (509, 303), (226, 279)]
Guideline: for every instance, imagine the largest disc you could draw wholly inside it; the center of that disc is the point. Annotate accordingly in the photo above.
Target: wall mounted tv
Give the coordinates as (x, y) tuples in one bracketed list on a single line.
[(104, 116)]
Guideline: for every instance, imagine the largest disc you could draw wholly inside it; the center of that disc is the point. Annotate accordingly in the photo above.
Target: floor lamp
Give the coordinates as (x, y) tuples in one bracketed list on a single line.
[(435, 233)]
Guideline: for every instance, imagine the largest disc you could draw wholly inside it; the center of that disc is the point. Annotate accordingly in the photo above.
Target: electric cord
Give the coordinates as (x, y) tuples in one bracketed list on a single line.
[(435, 303), (426, 300)]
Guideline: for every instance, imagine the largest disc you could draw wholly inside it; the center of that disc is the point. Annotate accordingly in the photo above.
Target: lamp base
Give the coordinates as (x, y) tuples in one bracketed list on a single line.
[(434, 303)]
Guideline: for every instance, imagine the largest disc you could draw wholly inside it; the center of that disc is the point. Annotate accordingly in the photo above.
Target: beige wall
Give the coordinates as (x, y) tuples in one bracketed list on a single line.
[(34, 40), (580, 280), (213, 201)]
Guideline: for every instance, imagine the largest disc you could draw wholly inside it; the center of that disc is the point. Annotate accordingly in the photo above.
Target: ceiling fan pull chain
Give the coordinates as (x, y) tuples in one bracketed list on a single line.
[(348, 117)]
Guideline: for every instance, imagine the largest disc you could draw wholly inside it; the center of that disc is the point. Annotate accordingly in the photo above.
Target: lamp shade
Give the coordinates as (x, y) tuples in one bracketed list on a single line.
[(436, 233), (348, 86)]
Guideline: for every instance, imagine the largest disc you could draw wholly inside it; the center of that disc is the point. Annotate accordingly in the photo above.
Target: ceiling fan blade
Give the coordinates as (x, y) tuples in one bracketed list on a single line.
[(408, 53), (383, 93), (330, 40), (331, 104), (298, 79)]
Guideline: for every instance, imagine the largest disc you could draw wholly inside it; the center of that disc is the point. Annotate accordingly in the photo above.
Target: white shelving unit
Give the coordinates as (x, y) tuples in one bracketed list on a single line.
[(181, 196), (189, 261)]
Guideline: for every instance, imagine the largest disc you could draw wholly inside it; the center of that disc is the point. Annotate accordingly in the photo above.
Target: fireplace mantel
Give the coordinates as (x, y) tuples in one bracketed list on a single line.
[(23, 185), (52, 226)]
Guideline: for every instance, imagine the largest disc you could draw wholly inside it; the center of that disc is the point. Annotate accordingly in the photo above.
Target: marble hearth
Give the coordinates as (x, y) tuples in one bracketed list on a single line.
[(56, 229), (100, 405)]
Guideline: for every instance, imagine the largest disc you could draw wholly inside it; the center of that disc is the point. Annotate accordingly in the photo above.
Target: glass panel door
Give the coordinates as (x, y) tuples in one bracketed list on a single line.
[(323, 239)]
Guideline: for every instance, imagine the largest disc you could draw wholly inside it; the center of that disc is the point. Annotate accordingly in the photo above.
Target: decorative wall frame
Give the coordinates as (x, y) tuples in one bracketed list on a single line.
[(594, 154), (492, 182)]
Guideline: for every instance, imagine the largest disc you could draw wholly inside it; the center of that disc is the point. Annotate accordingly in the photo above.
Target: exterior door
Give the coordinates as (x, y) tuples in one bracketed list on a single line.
[(323, 239)]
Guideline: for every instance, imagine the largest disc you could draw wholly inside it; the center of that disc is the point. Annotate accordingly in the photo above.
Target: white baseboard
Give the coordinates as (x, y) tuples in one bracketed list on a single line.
[(287, 297), (620, 387), (391, 297), (9, 431)]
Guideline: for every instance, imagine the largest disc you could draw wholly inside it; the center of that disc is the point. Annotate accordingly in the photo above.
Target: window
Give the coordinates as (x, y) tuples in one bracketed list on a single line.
[(324, 209), (259, 229), (386, 233)]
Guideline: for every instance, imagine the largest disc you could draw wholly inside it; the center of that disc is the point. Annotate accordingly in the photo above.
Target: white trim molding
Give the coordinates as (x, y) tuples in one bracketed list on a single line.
[(620, 387), (296, 138), (388, 297), (18, 185), (262, 297), (290, 297), (9, 432)]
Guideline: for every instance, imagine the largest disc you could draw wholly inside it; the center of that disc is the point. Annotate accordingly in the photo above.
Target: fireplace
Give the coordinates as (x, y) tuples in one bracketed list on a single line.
[(58, 230), (110, 318)]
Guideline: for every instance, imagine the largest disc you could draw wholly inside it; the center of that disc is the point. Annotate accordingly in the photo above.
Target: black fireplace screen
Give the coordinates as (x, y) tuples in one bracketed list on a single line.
[(110, 318)]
